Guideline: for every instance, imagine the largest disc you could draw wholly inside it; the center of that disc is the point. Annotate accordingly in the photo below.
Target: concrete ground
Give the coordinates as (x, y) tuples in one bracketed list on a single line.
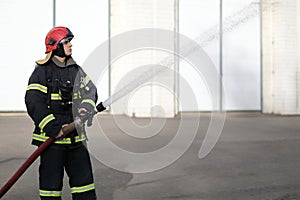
[(256, 158)]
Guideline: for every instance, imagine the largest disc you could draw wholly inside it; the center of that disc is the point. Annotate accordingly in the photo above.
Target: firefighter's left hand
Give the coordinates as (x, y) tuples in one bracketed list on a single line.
[(83, 112)]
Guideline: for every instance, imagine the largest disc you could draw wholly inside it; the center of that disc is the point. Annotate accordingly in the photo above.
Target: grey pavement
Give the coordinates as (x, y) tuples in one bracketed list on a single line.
[(256, 158)]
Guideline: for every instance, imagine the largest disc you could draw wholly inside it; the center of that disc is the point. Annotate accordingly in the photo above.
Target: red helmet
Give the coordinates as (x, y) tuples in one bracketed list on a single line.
[(55, 35)]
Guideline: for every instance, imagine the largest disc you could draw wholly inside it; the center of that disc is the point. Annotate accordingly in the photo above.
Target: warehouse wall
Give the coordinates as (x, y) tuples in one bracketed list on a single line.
[(155, 98), (235, 54), (281, 64), (199, 21), (240, 55), (24, 25)]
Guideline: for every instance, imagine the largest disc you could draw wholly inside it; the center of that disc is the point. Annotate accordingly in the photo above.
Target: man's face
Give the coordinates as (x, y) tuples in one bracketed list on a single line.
[(67, 47)]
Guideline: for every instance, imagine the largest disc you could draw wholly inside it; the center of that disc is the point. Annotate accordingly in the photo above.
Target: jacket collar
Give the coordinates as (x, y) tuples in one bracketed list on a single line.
[(69, 61)]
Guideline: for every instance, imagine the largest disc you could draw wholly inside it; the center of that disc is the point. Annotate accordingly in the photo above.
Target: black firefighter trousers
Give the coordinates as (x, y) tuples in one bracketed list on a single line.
[(77, 164)]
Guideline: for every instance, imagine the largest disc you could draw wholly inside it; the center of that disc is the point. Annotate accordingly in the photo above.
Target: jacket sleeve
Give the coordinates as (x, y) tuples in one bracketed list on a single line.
[(36, 103), (88, 92)]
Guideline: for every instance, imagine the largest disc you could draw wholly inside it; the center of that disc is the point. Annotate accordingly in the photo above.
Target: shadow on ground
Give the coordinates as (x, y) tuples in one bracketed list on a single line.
[(108, 180)]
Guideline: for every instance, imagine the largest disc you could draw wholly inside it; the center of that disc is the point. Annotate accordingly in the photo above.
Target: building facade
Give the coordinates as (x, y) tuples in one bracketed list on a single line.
[(252, 48)]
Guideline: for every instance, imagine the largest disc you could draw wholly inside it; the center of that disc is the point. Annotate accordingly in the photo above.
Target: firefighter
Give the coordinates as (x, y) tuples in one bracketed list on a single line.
[(59, 90)]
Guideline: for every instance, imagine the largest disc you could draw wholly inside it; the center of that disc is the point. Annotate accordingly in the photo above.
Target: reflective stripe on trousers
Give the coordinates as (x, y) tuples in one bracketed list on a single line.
[(46, 193), (83, 188)]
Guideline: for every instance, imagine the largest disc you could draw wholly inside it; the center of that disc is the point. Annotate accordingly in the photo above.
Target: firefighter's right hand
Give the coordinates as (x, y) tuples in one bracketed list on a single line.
[(61, 133)]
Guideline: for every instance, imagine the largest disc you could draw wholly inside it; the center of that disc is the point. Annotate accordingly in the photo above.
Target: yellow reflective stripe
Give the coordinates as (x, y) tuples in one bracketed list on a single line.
[(84, 81), (83, 188), (90, 101), (39, 137), (42, 138), (76, 95), (78, 138), (45, 121), (36, 86), (55, 96), (87, 80), (47, 193), (43, 133)]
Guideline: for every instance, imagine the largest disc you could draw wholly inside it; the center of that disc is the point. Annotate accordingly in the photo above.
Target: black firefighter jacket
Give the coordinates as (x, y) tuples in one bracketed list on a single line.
[(54, 93)]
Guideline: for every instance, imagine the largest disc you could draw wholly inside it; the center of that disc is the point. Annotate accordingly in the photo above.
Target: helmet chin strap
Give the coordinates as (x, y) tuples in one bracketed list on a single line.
[(59, 51)]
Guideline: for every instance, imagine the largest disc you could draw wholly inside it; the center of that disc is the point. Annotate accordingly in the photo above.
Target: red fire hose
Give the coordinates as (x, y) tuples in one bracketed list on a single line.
[(32, 158), (66, 130)]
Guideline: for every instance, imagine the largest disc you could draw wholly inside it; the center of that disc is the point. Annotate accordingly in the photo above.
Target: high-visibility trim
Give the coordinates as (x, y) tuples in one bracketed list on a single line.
[(76, 95), (42, 138), (84, 81), (46, 120), (83, 188), (43, 133), (90, 101), (36, 86), (55, 96), (48, 193)]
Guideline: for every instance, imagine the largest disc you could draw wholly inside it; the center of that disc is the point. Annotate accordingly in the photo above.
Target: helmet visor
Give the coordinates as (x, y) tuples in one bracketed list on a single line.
[(66, 39)]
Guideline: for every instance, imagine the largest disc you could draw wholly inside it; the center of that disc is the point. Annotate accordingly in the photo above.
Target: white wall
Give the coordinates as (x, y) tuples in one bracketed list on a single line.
[(24, 25), (128, 16), (240, 57), (281, 38), (198, 20), (23, 28)]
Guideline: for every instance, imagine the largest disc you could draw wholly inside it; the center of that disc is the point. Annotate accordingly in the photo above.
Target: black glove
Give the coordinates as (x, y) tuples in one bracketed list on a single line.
[(90, 118), (86, 115), (89, 115)]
